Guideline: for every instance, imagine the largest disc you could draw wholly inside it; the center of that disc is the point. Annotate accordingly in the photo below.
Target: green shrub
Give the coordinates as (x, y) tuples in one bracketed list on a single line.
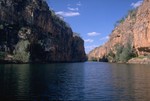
[(120, 21), (22, 56), (119, 49), (126, 53), (132, 13), (140, 57), (21, 52), (122, 53), (93, 59)]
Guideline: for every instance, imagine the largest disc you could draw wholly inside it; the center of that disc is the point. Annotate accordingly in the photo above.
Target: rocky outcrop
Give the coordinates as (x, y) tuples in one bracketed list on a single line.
[(139, 61), (30, 32), (130, 38)]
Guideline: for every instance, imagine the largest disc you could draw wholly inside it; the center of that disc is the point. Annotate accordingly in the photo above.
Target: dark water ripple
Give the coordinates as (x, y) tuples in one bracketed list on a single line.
[(90, 81)]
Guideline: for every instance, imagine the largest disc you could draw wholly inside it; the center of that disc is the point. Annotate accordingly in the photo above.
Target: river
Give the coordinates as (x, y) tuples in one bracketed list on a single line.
[(92, 81)]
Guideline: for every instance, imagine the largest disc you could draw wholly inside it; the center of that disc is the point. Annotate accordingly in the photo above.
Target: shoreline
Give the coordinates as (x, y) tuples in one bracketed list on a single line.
[(18, 62)]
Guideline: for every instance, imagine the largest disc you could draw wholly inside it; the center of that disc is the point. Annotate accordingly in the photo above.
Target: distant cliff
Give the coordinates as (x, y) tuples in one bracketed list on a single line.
[(129, 41), (30, 32)]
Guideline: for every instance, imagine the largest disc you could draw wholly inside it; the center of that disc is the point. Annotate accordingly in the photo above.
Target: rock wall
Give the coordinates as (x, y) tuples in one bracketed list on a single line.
[(141, 29), (133, 30), (30, 32)]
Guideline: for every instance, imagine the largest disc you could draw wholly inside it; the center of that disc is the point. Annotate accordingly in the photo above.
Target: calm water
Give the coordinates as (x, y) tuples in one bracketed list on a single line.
[(90, 81)]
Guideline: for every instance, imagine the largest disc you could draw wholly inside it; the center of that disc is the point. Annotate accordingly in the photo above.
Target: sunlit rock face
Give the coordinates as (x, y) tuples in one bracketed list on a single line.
[(133, 29), (30, 32)]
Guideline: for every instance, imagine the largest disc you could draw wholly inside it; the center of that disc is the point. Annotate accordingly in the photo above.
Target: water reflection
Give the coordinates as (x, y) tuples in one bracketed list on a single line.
[(57, 82), (14, 82), (131, 82), (75, 81)]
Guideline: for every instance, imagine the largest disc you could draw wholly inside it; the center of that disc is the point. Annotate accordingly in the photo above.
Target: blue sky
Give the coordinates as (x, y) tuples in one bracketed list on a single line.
[(92, 19)]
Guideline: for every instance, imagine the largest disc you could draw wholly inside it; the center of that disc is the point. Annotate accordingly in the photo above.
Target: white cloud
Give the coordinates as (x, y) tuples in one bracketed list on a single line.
[(88, 40), (105, 38), (68, 14), (73, 9), (137, 4), (93, 34)]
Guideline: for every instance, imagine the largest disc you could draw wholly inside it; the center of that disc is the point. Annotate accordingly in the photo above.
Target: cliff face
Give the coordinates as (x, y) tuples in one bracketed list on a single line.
[(141, 29), (130, 38), (30, 32)]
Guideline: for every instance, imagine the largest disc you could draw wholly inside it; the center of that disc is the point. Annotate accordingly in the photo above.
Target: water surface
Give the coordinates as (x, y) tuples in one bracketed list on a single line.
[(92, 81)]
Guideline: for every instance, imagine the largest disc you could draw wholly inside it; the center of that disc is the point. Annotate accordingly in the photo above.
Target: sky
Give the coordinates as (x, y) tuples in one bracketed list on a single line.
[(94, 20)]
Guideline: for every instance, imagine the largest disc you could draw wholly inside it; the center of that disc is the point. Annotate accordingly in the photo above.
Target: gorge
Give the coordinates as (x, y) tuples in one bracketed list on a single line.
[(129, 42)]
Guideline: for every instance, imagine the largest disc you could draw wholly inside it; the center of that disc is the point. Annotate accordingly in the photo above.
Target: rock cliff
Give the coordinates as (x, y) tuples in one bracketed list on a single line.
[(129, 39), (30, 32)]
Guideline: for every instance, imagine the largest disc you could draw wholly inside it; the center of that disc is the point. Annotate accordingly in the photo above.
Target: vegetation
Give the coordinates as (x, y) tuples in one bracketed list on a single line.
[(119, 49), (142, 56), (21, 52), (127, 53), (122, 54), (132, 13), (120, 21), (22, 56), (93, 59)]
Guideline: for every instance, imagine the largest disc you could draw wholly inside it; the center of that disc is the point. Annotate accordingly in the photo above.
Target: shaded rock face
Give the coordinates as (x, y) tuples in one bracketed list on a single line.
[(78, 47), (133, 30), (30, 32)]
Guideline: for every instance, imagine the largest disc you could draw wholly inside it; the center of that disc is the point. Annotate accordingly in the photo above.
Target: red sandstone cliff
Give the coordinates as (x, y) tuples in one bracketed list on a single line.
[(134, 30)]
